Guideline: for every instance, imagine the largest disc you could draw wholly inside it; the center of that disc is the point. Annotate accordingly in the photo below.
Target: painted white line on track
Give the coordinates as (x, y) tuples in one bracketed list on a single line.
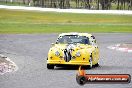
[(130, 51)]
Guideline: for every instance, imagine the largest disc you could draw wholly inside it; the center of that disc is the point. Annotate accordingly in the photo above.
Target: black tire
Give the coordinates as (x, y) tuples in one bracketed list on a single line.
[(88, 67), (96, 65), (49, 66)]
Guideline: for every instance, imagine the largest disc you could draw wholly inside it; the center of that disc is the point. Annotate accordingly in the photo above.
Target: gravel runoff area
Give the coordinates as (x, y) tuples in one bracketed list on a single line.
[(125, 12), (29, 52)]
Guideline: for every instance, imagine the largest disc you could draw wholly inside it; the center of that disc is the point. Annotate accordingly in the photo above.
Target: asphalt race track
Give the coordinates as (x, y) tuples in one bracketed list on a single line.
[(29, 52)]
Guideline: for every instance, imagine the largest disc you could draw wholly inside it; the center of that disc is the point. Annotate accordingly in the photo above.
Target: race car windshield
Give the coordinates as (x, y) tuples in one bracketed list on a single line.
[(70, 39)]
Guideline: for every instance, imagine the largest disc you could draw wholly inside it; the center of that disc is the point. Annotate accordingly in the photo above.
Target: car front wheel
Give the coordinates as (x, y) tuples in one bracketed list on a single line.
[(49, 66)]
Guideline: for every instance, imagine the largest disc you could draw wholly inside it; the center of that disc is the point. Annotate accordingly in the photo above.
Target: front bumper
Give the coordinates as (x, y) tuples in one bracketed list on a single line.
[(61, 62)]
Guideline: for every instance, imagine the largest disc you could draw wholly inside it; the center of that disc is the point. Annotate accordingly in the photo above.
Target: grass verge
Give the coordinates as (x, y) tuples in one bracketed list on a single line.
[(12, 21)]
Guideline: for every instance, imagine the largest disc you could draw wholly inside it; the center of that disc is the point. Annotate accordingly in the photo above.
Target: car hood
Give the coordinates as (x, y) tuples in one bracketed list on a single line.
[(72, 46)]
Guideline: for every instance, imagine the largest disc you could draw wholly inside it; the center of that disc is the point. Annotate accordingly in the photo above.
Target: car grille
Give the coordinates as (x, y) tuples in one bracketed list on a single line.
[(67, 55)]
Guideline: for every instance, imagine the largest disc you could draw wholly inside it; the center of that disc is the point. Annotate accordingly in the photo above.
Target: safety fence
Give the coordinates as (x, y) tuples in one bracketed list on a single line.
[(79, 4)]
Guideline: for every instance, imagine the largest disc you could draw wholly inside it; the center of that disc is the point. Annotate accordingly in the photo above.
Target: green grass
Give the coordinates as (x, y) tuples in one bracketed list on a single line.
[(12, 21)]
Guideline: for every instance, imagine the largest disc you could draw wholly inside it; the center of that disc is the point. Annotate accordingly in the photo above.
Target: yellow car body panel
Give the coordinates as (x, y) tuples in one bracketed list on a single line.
[(79, 54)]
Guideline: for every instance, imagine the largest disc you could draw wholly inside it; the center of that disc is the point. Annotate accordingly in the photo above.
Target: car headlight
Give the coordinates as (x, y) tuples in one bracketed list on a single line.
[(78, 54), (57, 53)]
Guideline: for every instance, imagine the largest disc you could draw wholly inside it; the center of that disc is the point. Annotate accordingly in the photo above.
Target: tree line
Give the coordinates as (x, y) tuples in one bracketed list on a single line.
[(86, 4)]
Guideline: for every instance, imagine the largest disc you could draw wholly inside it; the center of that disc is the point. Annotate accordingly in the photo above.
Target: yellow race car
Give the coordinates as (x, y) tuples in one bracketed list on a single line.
[(73, 49)]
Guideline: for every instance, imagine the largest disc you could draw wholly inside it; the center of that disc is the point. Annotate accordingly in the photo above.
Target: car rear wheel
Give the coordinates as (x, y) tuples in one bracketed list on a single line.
[(96, 65), (49, 66)]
